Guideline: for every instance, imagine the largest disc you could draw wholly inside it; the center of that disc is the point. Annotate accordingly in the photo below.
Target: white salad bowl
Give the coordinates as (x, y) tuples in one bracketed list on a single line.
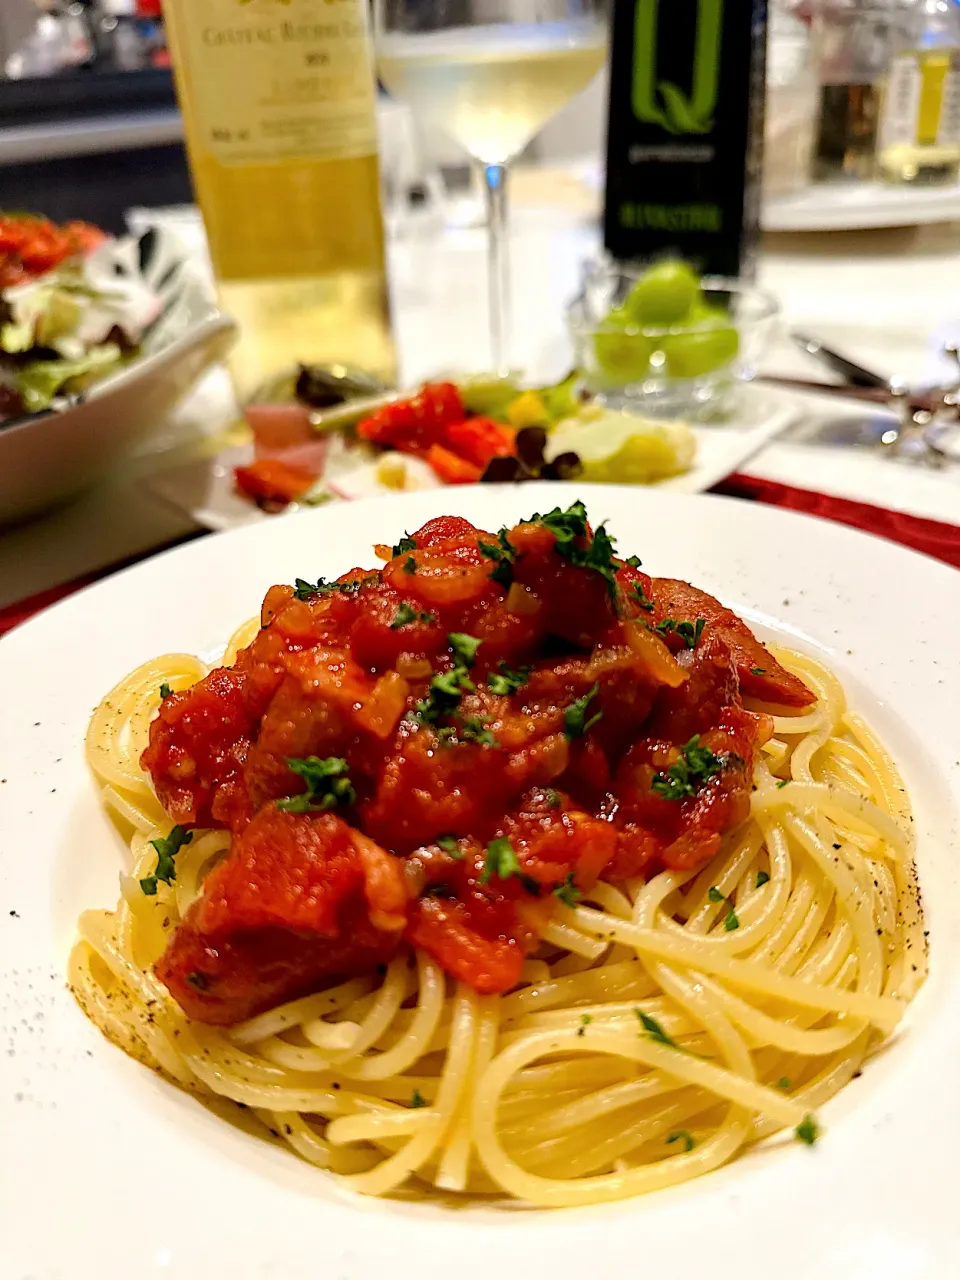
[(49, 457)]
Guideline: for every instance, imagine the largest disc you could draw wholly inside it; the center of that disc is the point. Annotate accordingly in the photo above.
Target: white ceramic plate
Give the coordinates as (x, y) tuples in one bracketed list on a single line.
[(853, 206), (110, 1173), (203, 488), (49, 457)]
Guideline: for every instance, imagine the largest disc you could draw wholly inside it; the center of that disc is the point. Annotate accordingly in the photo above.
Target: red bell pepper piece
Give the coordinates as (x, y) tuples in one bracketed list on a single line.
[(480, 440), (271, 480), (451, 468), (412, 426)]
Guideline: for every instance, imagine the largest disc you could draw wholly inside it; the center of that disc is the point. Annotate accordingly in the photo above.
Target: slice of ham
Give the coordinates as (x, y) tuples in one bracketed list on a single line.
[(283, 431), (278, 426)]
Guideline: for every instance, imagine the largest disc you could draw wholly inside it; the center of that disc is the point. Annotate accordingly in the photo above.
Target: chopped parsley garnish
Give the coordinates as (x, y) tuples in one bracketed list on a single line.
[(568, 893), (633, 562), (449, 844), (575, 722), (598, 556), (303, 590), (410, 565), (731, 920), (807, 1130), (504, 553), (585, 1021), (417, 1100), (439, 891), (569, 526), (165, 691), (688, 632), (763, 878), (443, 695), (446, 690), (167, 848), (684, 1136), (553, 798), (464, 648), (406, 615), (564, 525), (327, 785), (307, 590), (475, 730), (782, 783), (504, 681), (653, 1029), (696, 766), (501, 861), (405, 544), (640, 597), (758, 671), (783, 1083)]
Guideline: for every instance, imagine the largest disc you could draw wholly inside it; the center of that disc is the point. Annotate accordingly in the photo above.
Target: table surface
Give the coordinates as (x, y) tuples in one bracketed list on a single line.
[(889, 298)]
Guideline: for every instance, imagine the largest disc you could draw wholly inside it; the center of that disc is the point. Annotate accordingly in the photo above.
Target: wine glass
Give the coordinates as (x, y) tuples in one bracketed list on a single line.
[(490, 73)]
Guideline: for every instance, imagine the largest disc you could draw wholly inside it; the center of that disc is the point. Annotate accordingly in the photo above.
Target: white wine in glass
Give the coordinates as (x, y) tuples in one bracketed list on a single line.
[(491, 78)]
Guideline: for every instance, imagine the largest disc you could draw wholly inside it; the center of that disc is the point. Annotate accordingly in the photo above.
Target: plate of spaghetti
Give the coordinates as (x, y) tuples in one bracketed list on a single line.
[(524, 883)]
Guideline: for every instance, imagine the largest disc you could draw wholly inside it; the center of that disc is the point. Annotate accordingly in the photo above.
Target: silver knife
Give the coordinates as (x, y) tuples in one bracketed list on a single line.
[(853, 374)]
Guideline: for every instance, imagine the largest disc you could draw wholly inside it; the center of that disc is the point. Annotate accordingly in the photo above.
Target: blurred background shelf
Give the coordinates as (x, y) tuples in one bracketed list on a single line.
[(849, 206), (92, 144)]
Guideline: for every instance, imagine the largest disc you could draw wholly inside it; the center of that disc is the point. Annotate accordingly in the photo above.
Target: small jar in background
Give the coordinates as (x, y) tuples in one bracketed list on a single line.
[(919, 140), (792, 102), (853, 45)]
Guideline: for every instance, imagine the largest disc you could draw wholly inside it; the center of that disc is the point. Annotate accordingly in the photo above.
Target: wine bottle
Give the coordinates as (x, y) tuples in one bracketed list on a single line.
[(685, 141), (920, 120), (278, 103)]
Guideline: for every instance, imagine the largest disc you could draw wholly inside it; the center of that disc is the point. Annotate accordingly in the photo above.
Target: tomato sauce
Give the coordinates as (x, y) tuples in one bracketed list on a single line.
[(447, 749)]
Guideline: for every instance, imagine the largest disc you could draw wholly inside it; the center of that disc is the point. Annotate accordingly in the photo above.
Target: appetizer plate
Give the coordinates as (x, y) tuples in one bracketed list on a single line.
[(111, 1173), (203, 487), (48, 457)]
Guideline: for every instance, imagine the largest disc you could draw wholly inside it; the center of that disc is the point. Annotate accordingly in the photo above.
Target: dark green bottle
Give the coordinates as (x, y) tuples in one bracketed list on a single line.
[(684, 148)]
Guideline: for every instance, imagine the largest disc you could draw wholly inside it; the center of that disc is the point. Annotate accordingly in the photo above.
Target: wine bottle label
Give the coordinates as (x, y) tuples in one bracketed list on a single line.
[(901, 109), (922, 107), (276, 80), (948, 132)]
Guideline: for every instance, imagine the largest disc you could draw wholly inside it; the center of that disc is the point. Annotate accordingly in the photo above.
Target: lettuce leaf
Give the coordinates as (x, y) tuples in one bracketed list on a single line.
[(42, 381)]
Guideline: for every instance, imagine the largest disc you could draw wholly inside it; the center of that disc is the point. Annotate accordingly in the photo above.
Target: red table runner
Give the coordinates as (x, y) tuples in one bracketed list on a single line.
[(932, 537)]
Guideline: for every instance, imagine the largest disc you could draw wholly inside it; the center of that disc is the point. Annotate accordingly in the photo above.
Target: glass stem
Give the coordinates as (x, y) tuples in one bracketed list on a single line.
[(495, 188)]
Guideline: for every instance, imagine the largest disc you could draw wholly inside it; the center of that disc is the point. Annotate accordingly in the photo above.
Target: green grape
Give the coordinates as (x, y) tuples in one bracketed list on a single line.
[(703, 312), (694, 355), (622, 356), (664, 294)]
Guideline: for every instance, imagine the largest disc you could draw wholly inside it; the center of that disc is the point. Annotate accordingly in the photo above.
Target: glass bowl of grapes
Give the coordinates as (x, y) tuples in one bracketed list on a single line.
[(663, 340)]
